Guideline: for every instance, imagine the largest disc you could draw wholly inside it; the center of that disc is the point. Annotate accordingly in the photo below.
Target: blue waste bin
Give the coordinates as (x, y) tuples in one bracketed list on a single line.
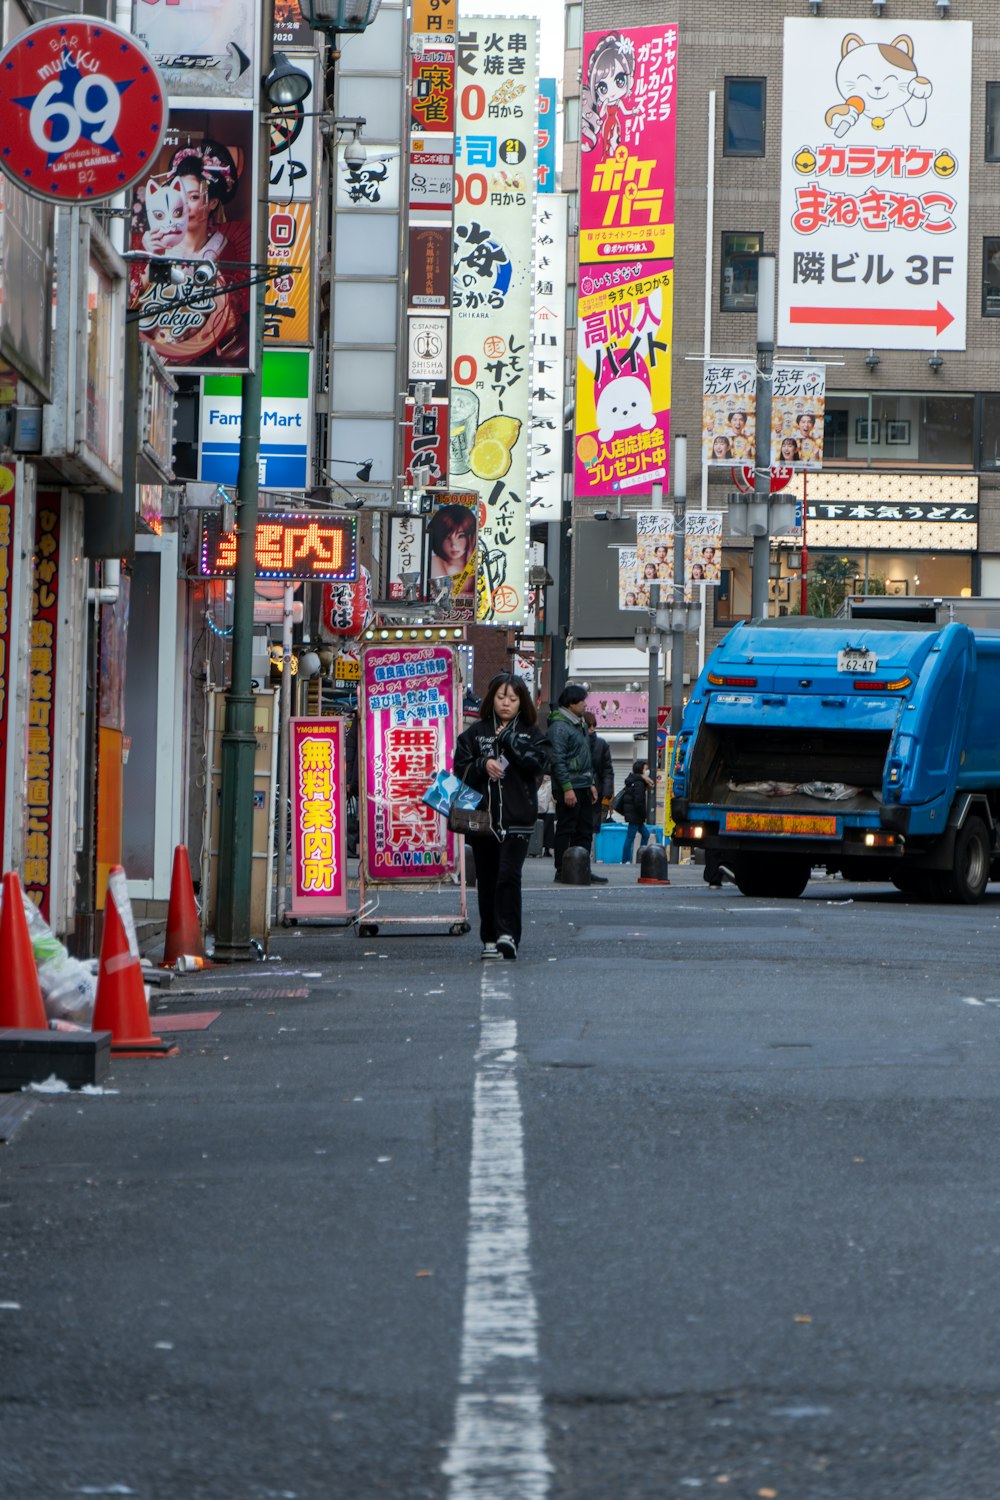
[(610, 842)]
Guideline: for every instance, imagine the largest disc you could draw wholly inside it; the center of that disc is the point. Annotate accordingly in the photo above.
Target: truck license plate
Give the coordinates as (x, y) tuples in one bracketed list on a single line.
[(780, 823), (857, 661)]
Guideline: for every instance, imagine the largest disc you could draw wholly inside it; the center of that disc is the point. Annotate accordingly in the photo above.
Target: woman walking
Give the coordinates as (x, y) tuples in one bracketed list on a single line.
[(502, 755), (633, 807)]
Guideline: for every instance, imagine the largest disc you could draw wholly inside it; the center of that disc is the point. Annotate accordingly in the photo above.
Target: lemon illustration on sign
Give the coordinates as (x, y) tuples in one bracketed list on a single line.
[(945, 164), (7, 481), (495, 439), (804, 159)]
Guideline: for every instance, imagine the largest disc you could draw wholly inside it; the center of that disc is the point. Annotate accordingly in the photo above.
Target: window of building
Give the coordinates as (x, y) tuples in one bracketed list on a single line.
[(899, 430), (991, 276), (743, 118), (574, 27), (993, 122), (989, 432), (571, 119), (739, 271)]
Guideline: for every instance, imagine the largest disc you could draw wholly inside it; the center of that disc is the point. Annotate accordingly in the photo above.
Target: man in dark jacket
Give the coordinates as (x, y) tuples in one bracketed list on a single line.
[(573, 784)]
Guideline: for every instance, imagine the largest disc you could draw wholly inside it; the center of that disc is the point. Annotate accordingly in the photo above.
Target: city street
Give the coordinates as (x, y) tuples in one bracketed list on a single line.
[(699, 1197)]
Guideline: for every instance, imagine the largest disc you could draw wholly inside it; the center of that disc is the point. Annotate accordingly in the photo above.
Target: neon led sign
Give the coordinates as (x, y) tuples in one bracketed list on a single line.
[(288, 547)]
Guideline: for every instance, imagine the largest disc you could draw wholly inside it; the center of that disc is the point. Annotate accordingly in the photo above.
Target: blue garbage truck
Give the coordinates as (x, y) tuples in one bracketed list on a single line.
[(871, 747)]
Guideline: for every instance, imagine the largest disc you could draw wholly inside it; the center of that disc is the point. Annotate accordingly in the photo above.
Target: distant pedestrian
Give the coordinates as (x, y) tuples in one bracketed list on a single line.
[(604, 771), (502, 755), (547, 813), (634, 798), (573, 784)]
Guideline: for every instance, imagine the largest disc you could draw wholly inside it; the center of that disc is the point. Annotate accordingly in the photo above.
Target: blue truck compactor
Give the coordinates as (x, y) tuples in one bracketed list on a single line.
[(870, 747)]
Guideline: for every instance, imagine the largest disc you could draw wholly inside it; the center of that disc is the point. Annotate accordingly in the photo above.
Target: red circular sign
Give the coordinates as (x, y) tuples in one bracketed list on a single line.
[(82, 110)]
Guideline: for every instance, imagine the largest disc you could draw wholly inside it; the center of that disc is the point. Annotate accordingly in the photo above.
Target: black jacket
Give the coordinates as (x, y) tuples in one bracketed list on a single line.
[(633, 808), (604, 770), (512, 801)]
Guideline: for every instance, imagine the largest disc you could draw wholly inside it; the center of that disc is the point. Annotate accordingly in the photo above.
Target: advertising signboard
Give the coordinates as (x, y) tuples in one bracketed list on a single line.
[(82, 110), (798, 402), (42, 704), (548, 344), (287, 547), (203, 49), (875, 183), (492, 293), (284, 423), (432, 93), (729, 412), (292, 150), (432, 21), (409, 725), (546, 167), (628, 104), (8, 494), (319, 818), (431, 181), (287, 300), (197, 208)]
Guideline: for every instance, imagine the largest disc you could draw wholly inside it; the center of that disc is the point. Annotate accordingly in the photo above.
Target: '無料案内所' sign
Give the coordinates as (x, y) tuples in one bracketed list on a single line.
[(319, 843)]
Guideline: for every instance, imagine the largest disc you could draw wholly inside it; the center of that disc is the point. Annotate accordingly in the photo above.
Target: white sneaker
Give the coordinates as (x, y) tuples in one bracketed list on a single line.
[(506, 946), (490, 950)]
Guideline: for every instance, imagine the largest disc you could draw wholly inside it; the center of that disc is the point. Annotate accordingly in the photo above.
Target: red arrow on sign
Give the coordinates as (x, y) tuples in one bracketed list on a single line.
[(887, 317)]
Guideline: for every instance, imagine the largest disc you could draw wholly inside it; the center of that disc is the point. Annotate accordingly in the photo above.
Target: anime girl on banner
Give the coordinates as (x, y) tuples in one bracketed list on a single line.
[(195, 208), (623, 378)]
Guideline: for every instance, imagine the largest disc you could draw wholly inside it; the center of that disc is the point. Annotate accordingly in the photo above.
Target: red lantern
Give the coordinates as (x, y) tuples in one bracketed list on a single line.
[(345, 607)]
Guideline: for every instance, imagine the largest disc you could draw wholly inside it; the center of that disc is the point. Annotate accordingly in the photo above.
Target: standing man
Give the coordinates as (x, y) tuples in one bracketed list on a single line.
[(573, 784)]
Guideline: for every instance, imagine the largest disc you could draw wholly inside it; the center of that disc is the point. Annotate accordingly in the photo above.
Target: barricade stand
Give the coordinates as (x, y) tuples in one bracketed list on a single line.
[(410, 710)]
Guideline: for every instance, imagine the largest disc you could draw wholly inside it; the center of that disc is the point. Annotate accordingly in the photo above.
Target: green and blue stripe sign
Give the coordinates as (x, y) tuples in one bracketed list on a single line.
[(285, 423)]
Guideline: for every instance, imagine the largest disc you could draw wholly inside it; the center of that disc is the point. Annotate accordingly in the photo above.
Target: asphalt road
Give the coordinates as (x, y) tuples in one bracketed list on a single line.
[(699, 1196)]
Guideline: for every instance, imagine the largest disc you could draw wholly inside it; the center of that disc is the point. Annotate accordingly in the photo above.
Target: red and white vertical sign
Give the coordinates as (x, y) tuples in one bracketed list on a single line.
[(319, 828)]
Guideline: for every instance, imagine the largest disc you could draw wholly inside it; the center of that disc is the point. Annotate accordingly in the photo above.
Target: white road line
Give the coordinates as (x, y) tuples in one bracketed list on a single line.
[(497, 1451)]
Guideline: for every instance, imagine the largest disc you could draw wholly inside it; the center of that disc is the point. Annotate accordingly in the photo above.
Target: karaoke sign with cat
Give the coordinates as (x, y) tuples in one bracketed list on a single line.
[(875, 184)]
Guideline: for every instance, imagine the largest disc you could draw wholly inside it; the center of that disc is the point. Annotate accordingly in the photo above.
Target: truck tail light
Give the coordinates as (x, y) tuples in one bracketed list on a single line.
[(881, 840), (718, 681), (689, 831), (885, 685)]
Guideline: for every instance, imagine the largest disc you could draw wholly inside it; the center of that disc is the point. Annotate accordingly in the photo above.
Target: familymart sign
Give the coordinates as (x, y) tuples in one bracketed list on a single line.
[(285, 423)]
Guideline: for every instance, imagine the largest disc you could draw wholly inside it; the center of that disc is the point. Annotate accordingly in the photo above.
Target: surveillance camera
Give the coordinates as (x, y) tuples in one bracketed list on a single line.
[(177, 274), (602, 515), (204, 272)]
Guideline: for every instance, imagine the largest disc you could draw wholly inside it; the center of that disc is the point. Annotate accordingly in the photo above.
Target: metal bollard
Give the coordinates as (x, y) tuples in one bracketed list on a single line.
[(653, 866), (576, 867)]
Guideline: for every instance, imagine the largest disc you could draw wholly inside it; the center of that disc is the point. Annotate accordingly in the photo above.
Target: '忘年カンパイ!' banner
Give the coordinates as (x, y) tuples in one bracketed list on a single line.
[(623, 377), (627, 144)]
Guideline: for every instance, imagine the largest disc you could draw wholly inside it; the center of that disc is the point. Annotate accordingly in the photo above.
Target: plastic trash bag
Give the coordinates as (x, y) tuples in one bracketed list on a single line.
[(68, 987)]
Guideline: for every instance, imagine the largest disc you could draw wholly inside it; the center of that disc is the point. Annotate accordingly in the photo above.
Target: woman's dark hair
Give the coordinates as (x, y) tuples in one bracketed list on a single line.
[(447, 519), (211, 162), (572, 693), (526, 710), (639, 765)]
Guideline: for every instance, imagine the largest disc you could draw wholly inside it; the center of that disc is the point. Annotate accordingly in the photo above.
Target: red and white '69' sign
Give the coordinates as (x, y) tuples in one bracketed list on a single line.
[(82, 110)]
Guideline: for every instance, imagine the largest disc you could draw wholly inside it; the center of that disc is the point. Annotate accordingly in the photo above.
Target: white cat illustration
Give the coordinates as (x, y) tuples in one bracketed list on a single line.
[(167, 212), (875, 79), (623, 404)]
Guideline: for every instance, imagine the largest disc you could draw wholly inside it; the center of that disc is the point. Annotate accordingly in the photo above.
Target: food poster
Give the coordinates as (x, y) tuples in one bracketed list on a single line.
[(628, 99), (623, 378), (798, 401), (491, 298), (319, 822), (729, 412), (196, 208), (409, 724)]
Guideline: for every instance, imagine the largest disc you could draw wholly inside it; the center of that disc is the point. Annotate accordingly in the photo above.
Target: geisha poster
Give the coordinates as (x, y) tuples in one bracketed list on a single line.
[(627, 144), (196, 210), (409, 725), (623, 378)]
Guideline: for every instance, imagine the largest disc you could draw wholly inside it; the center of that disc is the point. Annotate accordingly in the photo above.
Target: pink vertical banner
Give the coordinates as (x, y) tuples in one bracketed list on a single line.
[(628, 134), (409, 726), (319, 842)]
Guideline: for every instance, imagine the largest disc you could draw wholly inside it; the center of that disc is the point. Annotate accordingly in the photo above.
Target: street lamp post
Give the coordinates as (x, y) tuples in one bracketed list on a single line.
[(762, 465)]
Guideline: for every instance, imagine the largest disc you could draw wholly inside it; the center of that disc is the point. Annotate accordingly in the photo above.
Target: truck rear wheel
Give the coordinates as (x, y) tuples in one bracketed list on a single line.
[(778, 877), (971, 865)]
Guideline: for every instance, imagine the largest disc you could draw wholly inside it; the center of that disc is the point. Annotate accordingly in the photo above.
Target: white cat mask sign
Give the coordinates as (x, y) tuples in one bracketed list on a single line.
[(874, 184)]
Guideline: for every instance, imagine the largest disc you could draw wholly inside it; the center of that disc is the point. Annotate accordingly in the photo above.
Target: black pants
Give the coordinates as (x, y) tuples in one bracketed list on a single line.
[(548, 831), (574, 825), (498, 884)]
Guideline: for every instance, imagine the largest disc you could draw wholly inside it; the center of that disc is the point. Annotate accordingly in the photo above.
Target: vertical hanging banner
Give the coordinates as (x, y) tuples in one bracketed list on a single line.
[(432, 21), (729, 412), (703, 547), (798, 404), (319, 826), (287, 295), (546, 166), (627, 169), (432, 93), (8, 494), (409, 724), (42, 728), (548, 348), (875, 183), (492, 298), (197, 208)]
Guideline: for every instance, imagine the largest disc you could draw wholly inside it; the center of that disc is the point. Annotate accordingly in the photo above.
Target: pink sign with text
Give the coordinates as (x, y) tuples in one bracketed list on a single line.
[(319, 843)]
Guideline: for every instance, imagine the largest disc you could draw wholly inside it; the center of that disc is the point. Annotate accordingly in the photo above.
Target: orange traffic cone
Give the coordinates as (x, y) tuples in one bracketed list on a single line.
[(20, 995), (183, 928), (120, 1006)]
